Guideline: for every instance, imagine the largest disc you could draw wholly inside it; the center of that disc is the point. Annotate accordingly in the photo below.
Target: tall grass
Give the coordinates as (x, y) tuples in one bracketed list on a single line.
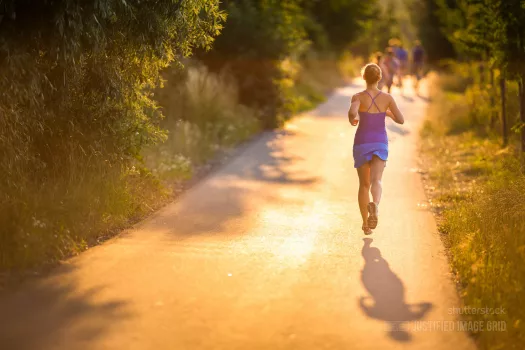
[(63, 214), (202, 116), (478, 189)]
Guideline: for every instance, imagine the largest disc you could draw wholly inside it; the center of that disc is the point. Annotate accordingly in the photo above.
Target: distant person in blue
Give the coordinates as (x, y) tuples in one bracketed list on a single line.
[(369, 110), (418, 61), (402, 57)]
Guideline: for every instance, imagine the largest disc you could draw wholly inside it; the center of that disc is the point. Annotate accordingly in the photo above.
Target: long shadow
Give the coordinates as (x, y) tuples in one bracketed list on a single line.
[(386, 300), (226, 193), (34, 315), (424, 98), (273, 163)]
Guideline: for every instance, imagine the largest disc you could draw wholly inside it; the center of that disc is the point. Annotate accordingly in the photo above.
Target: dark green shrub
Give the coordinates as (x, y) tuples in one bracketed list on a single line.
[(258, 35), (76, 110)]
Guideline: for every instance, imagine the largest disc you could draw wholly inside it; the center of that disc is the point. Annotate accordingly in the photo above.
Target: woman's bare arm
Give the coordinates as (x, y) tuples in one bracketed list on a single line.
[(394, 112), (354, 108)]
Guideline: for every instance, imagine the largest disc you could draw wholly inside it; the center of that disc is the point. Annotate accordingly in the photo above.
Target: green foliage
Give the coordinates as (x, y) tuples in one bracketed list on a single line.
[(382, 27), (202, 116), (464, 94), (311, 80), (492, 31), (429, 24), (343, 21), (475, 27), (77, 109), (258, 35), (476, 186), (487, 233), (510, 37), (263, 40)]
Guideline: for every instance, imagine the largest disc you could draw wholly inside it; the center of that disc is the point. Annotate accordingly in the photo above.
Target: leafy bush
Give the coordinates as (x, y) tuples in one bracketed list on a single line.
[(76, 107), (341, 22), (463, 92), (258, 35)]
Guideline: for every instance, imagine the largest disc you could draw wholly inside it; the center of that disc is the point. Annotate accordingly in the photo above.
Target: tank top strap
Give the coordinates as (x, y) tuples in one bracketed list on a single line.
[(373, 101)]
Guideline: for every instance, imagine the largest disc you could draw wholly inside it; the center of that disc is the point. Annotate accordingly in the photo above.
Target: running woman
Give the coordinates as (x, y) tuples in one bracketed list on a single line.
[(369, 109)]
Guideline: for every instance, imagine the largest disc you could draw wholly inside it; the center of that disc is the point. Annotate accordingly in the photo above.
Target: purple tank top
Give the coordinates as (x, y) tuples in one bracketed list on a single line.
[(371, 128)]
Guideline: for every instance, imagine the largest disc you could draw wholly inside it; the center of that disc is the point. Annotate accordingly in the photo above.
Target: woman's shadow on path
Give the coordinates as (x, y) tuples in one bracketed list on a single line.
[(387, 295)]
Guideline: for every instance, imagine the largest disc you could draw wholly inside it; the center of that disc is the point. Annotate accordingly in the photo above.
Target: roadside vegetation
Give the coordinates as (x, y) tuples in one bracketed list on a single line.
[(106, 108), (477, 188), (473, 146)]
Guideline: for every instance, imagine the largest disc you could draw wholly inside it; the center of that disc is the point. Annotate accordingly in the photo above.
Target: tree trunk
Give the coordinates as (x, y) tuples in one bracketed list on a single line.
[(522, 113), (503, 89), (481, 73), (493, 114)]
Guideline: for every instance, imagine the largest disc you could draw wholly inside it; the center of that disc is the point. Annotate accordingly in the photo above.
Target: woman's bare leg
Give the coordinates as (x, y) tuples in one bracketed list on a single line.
[(364, 191), (377, 165)]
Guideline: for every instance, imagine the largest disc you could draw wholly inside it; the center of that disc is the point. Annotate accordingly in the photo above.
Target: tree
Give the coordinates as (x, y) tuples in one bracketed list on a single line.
[(510, 17), (432, 28), (75, 90), (491, 30), (343, 21), (496, 28), (84, 69), (258, 36)]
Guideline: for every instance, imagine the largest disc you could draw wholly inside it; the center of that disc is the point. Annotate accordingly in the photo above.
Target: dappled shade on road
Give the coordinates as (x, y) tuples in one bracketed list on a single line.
[(227, 196), (34, 318)]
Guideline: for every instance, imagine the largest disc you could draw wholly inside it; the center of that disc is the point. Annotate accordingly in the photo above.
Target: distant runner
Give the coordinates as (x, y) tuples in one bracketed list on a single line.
[(402, 56), (418, 60), (392, 68), (385, 76)]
